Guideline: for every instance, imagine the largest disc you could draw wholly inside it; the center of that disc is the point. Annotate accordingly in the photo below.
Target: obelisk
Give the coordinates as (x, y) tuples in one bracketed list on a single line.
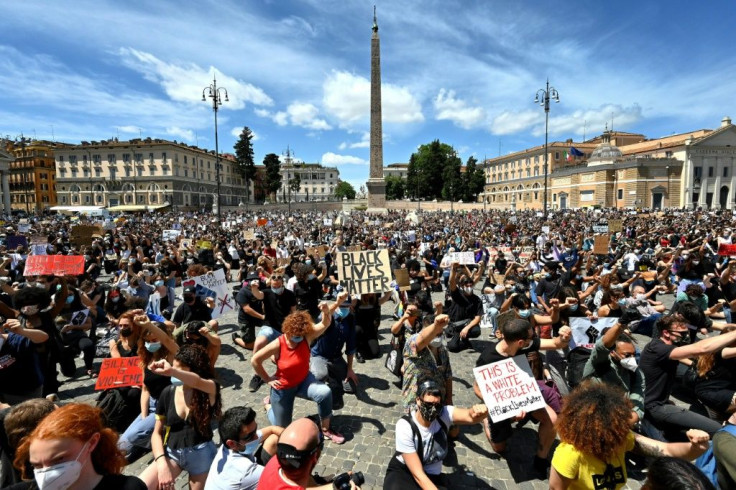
[(376, 183)]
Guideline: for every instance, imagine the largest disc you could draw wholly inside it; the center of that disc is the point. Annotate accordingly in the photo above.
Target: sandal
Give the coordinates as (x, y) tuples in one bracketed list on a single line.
[(91, 373)]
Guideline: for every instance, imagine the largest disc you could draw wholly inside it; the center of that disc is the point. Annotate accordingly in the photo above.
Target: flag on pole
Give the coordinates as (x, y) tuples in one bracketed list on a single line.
[(568, 157), (575, 152)]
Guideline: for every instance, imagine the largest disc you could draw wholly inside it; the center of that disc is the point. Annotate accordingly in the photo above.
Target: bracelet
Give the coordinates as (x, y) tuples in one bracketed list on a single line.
[(159, 457)]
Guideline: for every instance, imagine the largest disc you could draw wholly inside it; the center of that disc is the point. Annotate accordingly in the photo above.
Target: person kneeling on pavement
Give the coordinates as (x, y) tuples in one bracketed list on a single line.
[(465, 310), (245, 450), (327, 363), (422, 440)]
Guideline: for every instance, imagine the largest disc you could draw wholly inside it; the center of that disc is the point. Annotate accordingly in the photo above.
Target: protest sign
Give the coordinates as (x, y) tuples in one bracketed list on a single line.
[(185, 244), (726, 249), (213, 285), (204, 244), (119, 372), (526, 252), (79, 317), (600, 246), (249, 234), (615, 225), (489, 310), (14, 241), (319, 251), (508, 388), (354, 248), (586, 331), (402, 279), (24, 228), (600, 228), (58, 265), (545, 230), (171, 235), (262, 222), (327, 222), (85, 234), (38, 249), (364, 272), (462, 258)]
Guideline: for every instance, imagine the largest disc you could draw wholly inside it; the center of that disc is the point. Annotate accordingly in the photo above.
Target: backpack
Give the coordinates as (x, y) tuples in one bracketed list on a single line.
[(418, 436), (576, 360), (116, 411), (706, 462)]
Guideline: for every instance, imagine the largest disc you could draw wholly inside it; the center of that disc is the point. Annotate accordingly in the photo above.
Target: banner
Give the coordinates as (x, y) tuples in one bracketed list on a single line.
[(14, 241), (204, 244), (214, 285), (586, 331), (118, 372), (364, 272), (319, 251), (171, 235), (262, 222), (600, 228), (58, 265), (462, 258), (726, 249), (24, 228), (508, 388)]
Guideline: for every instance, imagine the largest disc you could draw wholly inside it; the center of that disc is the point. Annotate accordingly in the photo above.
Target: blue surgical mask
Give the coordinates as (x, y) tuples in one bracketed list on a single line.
[(159, 283), (176, 381), (622, 302), (574, 307), (70, 299), (278, 290), (548, 276), (153, 346), (296, 340), (344, 312), (525, 313), (308, 262), (250, 447), (311, 276)]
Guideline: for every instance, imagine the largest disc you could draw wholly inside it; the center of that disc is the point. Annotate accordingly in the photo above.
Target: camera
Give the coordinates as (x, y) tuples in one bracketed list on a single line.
[(342, 482)]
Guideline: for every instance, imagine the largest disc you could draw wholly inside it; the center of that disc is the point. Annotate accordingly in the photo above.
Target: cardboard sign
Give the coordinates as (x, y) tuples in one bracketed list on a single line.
[(585, 332), (249, 234), (118, 372), (84, 234), (508, 388), (545, 230), (462, 258), (402, 279), (171, 235), (15, 241), (615, 225), (58, 265), (601, 245), (38, 249), (354, 248), (320, 251), (185, 244), (364, 272), (726, 249), (213, 285)]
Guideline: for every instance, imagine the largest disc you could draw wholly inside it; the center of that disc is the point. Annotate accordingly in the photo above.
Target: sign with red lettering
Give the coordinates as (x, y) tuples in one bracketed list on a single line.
[(58, 265), (726, 249), (508, 388), (118, 372)]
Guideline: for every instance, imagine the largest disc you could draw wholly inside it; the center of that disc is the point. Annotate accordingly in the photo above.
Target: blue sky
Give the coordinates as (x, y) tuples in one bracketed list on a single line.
[(297, 72)]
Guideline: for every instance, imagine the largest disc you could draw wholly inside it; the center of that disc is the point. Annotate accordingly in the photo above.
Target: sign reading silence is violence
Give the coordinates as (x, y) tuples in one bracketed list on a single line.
[(363, 272), (119, 372)]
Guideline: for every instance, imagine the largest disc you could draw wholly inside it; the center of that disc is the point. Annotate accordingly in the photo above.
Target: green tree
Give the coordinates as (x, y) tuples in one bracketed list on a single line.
[(344, 189), (395, 187), (473, 180), (272, 180), (452, 180), (295, 183), (244, 159), (426, 177)]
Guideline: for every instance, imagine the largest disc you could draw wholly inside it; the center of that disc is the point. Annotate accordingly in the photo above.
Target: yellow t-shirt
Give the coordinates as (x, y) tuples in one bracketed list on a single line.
[(589, 472)]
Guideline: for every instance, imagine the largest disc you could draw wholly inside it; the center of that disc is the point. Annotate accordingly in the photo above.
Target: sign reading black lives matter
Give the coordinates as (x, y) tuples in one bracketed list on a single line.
[(508, 388), (363, 272)]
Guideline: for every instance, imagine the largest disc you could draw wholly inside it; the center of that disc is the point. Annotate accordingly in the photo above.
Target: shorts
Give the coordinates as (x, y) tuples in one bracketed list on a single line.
[(194, 460), (269, 333)]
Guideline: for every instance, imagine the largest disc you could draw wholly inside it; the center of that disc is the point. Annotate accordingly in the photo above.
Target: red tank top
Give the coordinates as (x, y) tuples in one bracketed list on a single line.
[(292, 366)]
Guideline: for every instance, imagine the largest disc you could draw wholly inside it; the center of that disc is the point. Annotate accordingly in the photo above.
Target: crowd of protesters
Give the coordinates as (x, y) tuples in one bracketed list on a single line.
[(530, 279)]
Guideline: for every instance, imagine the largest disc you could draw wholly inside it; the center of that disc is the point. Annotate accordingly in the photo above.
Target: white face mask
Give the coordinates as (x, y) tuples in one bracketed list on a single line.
[(59, 476), (437, 341), (641, 297), (629, 363)]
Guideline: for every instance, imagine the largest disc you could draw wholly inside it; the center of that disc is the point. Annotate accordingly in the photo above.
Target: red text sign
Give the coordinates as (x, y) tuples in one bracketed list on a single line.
[(58, 265), (118, 372)]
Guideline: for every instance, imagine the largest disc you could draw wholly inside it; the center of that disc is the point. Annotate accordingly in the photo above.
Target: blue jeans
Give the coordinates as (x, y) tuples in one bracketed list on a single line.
[(139, 431), (282, 401), (271, 334), (194, 460)]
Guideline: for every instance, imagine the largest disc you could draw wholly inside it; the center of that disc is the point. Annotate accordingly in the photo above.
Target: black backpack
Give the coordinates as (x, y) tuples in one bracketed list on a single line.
[(116, 411), (576, 360)]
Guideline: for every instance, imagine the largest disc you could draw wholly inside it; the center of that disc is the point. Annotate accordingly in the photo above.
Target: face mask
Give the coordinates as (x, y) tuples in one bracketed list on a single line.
[(437, 341), (548, 276), (574, 307), (278, 290), (629, 363), (188, 298), (622, 302), (429, 411), (29, 310), (115, 299), (641, 297), (153, 346), (344, 312), (126, 331), (176, 381), (132, 261), (59, 476), (680, 339), (70, 299), (297, 339), (525, 313), (468, 290), (308, 262), (311, 276), (158, 283), (250, 447)]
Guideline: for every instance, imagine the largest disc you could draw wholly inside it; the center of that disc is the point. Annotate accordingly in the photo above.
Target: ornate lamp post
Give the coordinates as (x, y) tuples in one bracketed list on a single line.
[(215, 93), (542, 98)]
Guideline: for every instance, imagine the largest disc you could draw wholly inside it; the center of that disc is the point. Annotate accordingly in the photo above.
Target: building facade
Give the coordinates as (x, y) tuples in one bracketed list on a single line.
[(32, 175), (5, 159), (145, 172), (316, 183), (400, 170)]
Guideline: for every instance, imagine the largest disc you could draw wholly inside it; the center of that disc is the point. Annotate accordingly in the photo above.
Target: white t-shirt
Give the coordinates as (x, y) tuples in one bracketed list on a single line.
[(232, 471), (434, 451)]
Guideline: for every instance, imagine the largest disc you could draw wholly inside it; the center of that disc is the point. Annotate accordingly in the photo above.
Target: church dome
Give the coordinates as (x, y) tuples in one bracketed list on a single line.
[(605, 152)]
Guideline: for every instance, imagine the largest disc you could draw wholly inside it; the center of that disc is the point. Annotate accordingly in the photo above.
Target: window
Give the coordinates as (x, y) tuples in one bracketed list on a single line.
[(698, 171), (98, 172), (62, 173), (86, 172), (139, 158), (150, 158), (185, 159), (163, 157), (61, 159), (112, 173), (111, 158), (140, 172), (86, 199), (63, 199), (710, 171), (97, 158), (620, 194), (73, 159), (186, 172), (74, 173), (127, 172), (554, 197), (586, 196), (725, 171), (557, 155), (126, 157)]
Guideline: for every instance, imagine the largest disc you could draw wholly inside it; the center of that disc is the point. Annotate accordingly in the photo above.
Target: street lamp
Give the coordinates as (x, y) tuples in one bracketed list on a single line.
[(215, 93), (542, 98)]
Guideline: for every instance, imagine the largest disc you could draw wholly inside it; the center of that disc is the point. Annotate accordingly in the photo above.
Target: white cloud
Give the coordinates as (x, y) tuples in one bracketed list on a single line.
[(593, 121), (185, 134), (514, 122), (129, 129), (239, 129), (300, 114), (450, 108), (365, 142), (185, 82), (333, 159), (346, 97)]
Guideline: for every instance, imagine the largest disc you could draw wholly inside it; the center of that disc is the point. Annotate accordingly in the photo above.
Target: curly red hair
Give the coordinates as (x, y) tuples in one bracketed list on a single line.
[(297, 324), (595, 419), (76, 421)]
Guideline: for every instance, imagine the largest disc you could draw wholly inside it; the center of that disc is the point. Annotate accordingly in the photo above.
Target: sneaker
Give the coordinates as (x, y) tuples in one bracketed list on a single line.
[(335, 437), (255, 383), (347, 387), (359, 358)]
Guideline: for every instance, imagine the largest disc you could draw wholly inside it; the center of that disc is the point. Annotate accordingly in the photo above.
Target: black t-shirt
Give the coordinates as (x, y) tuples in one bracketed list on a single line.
[(108, 482), (155, 382), (277, 307), (308, 295), (180, 433), (659, 372), (720, 377), (490, 354), (464, 307), (550, 288), (245, 297), (198, 311)]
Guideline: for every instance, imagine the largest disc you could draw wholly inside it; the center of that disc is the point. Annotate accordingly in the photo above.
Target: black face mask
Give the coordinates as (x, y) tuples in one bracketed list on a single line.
[(188, 299), (430, 411), (126, 331)]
